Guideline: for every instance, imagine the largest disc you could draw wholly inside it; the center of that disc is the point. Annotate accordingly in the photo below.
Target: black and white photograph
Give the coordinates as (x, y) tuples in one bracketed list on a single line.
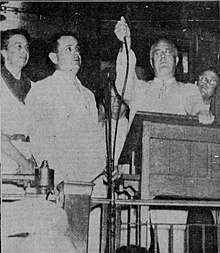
[(110, 126)]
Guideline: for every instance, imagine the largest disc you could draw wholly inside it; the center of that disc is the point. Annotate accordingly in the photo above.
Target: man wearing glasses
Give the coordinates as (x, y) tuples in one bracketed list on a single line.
[(208, 82), (164, 94)]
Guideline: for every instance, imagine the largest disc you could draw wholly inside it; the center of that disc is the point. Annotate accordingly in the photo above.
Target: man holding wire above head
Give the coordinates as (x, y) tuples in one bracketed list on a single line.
[(163, 94)]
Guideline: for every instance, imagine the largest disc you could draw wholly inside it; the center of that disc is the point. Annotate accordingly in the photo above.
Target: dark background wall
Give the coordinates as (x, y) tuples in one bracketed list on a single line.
[(192, 25)]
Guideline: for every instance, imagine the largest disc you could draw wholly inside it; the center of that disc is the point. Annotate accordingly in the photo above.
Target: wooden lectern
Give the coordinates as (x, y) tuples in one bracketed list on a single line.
[(174, 156)]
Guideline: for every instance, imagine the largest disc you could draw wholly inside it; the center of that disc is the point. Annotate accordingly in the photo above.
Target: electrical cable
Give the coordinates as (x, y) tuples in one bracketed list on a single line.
[(111, 157), (121, 97), (118, 114)]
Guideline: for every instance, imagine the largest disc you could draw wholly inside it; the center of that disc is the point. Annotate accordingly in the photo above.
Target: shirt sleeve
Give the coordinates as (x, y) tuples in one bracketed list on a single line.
[(193, 102), (42, 128), (121, 65)]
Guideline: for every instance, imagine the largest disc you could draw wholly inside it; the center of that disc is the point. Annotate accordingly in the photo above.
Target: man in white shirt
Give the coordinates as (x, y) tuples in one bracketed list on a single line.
[(163, 94), (64, 127)]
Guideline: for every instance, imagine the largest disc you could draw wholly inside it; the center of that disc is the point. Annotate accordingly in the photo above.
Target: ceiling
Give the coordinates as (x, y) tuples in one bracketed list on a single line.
[(148, 10)]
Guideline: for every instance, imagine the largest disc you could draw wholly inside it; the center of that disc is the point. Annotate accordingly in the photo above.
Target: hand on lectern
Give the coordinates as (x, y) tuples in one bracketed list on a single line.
[(205, 117)]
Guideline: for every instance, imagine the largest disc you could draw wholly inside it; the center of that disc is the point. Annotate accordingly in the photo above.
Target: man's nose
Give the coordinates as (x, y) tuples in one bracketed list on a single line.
[(24, 50), (163, 54), (76, 54), (202, 85)]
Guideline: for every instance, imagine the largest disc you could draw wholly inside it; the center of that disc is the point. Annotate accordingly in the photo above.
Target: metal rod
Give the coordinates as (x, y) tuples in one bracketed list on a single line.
[(203, 238), (187, 239), (155, 238), (110, 166), (173, 203), (129, 226), (138, 227), (171, 249)]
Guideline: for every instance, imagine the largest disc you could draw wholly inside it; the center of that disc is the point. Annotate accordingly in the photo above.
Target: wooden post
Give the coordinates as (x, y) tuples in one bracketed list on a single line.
[(77, 200)]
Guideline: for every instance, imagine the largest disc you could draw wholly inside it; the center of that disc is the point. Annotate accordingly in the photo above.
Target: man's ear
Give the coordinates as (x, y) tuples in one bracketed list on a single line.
[(177, 60), (4, 53), (151, 63), (53, 57)]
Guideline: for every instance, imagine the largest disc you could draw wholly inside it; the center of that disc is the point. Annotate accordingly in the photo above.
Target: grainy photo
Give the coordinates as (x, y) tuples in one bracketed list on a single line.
[(110, 127)]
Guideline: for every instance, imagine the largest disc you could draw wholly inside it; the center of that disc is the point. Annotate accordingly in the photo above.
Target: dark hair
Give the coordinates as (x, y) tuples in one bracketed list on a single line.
[(53, 41), (131, 249), (6, 35)]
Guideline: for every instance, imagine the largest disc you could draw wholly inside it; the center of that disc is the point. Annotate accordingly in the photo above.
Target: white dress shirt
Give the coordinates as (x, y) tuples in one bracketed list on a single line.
[(64, 128), (163, 96)]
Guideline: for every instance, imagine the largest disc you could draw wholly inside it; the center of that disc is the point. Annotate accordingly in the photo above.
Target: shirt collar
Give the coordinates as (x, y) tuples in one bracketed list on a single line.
[(69, 80), (165, 82), (19, 88)]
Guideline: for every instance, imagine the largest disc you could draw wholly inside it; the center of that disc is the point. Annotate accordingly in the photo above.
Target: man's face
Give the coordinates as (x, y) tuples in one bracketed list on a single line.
[(163, 60), (17, 52), (68, 55), (207, 83)]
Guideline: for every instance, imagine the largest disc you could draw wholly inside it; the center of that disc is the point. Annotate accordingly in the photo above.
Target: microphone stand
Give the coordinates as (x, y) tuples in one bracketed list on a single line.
[(110, 168), (111, 212)]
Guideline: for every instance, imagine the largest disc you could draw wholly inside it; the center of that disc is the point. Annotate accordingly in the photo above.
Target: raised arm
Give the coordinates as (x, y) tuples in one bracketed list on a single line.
[(122, 32)]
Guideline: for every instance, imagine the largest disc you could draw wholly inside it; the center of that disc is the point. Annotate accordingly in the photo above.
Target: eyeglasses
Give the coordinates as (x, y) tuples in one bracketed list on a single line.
[(208, 80), (159, 52)]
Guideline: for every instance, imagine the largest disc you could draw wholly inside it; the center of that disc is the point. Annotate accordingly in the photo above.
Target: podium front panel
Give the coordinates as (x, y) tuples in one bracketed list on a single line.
[(174, 155)]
